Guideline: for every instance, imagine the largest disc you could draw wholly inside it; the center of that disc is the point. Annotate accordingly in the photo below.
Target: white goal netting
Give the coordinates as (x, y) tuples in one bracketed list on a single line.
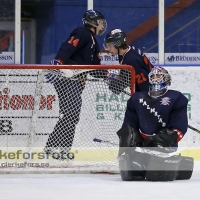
[(69, 124)]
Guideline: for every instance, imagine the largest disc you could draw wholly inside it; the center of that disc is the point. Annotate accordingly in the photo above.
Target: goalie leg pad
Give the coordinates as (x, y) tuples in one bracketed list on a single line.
[(163, 169), (125, 167), (185, 168), (132, 167)]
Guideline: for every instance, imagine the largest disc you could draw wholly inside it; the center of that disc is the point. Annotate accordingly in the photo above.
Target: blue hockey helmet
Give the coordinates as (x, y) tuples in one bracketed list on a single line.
[(159, 80)]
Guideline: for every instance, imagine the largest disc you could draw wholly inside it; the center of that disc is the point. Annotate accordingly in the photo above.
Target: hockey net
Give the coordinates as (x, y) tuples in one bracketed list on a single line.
[(85, 114)]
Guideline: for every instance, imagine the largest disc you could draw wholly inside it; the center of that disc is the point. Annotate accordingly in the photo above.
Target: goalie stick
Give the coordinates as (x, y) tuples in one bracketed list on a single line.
[(147, 151)]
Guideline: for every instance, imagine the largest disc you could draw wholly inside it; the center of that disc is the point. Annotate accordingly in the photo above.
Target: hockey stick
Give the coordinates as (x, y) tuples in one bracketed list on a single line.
[(144, 150), (105, 141), (58, 73), (67, 73), (194, 129)]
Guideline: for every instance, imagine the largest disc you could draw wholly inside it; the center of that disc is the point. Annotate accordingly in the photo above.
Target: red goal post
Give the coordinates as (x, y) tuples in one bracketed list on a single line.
[(79, 114)]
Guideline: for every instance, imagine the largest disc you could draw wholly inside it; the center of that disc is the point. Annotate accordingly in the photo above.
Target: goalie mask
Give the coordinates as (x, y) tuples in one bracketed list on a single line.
[(159, 80), (117, 37), (93, 19)]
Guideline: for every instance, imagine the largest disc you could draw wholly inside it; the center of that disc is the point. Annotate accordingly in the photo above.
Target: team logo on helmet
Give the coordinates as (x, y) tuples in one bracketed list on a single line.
[(116, 31)]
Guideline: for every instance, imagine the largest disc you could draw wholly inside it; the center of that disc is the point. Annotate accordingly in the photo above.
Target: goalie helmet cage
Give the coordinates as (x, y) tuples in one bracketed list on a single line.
[(31, 111)]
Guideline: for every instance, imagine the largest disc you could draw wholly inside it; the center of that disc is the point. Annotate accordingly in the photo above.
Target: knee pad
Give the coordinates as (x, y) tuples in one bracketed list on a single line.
[(185, 168), (163, 169)]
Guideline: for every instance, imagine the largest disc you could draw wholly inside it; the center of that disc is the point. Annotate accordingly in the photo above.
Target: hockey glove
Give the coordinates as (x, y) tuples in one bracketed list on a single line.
[(111, 76), (150, 141), (53, 78), (164, 138), (116, 84), (67, 73), (56, 62)]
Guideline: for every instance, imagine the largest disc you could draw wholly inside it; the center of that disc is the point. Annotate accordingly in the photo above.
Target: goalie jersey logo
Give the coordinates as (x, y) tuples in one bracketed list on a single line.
[(165, 101)]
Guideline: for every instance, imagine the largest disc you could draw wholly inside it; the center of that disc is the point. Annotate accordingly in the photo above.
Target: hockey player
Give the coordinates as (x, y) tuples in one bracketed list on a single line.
[(154, 118), (115, 43), (81, 48)]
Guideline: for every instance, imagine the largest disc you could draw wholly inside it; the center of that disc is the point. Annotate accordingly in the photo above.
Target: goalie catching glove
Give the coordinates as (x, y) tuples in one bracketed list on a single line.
[(128, 137), (58, 74)]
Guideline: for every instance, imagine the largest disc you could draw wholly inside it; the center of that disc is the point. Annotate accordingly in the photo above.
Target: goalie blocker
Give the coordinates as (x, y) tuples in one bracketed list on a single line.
[(140, 166)]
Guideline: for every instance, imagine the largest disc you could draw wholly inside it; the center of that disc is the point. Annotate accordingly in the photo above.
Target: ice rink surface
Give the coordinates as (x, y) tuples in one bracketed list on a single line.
[(94, 186)]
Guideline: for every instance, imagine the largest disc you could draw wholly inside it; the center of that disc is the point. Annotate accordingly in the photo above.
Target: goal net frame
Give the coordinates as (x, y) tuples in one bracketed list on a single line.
[(19, 159)]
